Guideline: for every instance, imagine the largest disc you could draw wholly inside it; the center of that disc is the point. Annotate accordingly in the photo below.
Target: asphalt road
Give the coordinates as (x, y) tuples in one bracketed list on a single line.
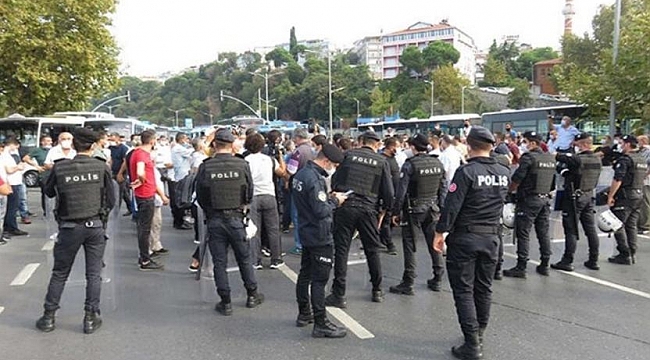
[(169, 315)]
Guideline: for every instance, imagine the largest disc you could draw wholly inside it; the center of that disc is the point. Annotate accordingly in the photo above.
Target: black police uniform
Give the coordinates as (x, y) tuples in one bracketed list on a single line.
[(367, 174), (420, 191), (223, 187), (471, 214), (85, 194), (315, 208), (505, 161), (385, 232), (535, 176), (631, 169), (581, 172)]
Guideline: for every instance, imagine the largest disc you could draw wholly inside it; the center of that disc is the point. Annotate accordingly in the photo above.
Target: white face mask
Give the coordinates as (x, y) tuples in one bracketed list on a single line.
[(576, 149), (66, 144), (565, 123)]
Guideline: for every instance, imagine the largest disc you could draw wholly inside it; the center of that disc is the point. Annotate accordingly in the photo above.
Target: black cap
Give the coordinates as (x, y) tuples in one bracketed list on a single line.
[(224, 135), (630, 139), (532, 135), (481, 134), (582, 136), (419, 141), (332, 153), (368, 134), (85, 136)]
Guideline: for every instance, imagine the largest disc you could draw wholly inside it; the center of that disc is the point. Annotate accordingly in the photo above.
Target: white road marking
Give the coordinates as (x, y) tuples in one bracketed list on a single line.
[(24, 275), (594, 280), (340, 315), (357, 262), (48, 246), (2, 309), (232, 269)]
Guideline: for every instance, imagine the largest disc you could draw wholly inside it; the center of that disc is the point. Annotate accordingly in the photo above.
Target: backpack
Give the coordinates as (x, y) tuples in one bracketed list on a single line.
[(185, 191)]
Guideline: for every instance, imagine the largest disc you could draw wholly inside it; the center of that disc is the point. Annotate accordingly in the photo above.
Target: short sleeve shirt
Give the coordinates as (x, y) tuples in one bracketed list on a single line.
[(148, 188)]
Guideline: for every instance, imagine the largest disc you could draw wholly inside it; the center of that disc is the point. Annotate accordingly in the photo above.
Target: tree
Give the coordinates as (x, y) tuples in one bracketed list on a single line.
[(381, 102), (55, 55), (293, 43), (449, 83), (519, 98), (412, 60), (280, 57), (525, 62), (439, 53), (496, 73)]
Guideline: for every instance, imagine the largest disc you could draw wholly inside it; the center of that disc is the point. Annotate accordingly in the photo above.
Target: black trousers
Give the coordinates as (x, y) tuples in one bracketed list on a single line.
[(125, 194), (224, 232), (315, 267), (420, 228), (533, 210), (385, 231), (627, 210), (264, 213), (471, 263), (286, 208), (145, 218), (346, 221), (177, 213), (71, 237), (584, 211)]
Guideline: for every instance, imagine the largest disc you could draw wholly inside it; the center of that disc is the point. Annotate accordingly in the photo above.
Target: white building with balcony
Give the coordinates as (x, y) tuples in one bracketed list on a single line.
[(421, 34), (369, 50)]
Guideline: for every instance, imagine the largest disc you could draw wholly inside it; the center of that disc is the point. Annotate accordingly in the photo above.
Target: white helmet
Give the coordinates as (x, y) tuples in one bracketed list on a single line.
[(608, 222), (508, 215)]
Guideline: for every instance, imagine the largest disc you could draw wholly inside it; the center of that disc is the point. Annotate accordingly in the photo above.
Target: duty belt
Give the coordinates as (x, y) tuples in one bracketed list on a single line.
[(92, 222), (229, 213), (478, 229)]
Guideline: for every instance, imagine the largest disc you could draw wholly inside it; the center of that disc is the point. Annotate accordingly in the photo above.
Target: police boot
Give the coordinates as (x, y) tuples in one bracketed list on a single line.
[(518, 271), (481, 332), (543, 267), (323, 328), (46, 322), (224, 307), (305, 316), (498, 273), (336, 301), (592, 263), (403, 288), (434, 283), (620, 259), (564, 264), (377, 296), (633, 256), (470, 350), (92, 322), (254, 299)]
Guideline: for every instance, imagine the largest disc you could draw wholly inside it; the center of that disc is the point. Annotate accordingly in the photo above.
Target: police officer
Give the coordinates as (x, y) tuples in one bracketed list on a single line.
[(581, 171), (367, 174), (504, 160), (420, 192), (391, 145), (471, 214), (625, 198), (533, 181), (224, 188), (84, 192), (315, 208)]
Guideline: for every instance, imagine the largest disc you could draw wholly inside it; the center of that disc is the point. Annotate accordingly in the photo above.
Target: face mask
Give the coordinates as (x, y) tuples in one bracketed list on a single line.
[(576, 149), (603, 142), (47, 147), (111, 143), (66, 144), (331, 171), (564, 123)]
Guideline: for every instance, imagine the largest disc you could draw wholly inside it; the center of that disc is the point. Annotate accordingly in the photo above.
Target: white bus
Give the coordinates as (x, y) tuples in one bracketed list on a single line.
[(449, 124), (123, 126)]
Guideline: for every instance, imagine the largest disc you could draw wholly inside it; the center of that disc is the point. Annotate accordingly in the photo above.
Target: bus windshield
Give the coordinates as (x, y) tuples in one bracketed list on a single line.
[(26, 131), (111, 126)]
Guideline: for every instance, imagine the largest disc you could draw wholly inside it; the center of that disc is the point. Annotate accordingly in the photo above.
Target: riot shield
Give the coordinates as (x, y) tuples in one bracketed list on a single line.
[(205, 275), (75, 286)]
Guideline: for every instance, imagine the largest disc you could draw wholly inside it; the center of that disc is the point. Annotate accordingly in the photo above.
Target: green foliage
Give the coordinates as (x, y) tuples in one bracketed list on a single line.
[(419, 114), (519, 98), (280, 57), (55, 54), (412, 60), (440, 53), (448, 86), (495, 72)]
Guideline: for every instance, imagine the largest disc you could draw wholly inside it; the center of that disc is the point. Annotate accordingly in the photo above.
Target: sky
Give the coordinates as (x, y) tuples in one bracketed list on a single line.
[(156, 36)]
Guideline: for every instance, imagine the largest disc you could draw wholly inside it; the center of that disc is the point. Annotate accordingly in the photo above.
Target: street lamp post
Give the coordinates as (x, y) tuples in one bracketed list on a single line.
[(329, 82), (208, 114), (430, 82), (358, 111), (127, 97), (275, 108), (110, 107), (617, 34), (176, 114), (266, 77), (462, 100)]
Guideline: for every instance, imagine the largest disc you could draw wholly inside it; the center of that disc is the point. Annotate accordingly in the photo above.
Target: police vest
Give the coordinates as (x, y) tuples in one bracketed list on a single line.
[(80, 188), (361, 172), (590, 167), (542, 173), (425, 181), (638, 170), (228, 185)]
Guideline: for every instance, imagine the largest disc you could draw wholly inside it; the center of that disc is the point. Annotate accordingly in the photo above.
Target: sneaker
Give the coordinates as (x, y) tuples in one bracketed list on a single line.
[(515, 272), (434, 284), (3, 241), (258, 266), (254, 300), (276, 264), (151, 266), (377, 296), (620, 259), (402, 289), (562, 265), (392, 250), (17, 232), (285, 231), (266, 252), (128, 213), (592, 265), (193, 268), (295, 251), (161, 252)]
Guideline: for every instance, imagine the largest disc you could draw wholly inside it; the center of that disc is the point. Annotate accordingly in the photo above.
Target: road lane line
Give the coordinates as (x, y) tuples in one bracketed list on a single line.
[(24, 275), (2, 309), (593, 280), (48, 246), (340, 315)]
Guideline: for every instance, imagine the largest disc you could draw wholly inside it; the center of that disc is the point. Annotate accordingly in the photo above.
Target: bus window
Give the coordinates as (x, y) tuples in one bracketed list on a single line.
[(25, 132)]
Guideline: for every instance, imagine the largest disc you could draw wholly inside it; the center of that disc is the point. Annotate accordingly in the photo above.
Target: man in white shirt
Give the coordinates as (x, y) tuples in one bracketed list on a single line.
[(62, 150), (182, 161), (14, 171), (450, 157)]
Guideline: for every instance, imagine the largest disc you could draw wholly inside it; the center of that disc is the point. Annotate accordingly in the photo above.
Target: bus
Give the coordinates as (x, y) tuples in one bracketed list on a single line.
[(123, 126), (535, 119), (449, 124), (28, 130)]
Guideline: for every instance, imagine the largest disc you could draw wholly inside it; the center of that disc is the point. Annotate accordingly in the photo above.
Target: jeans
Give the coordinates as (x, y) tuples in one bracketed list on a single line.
[(3, 212), (177, 213), (156, 227), (224, 232), (286, 208), (125, 195), (65, 250), (315, 267), (22, 207), (294, 219), (264, 213), (145, 219), (13, 202)]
